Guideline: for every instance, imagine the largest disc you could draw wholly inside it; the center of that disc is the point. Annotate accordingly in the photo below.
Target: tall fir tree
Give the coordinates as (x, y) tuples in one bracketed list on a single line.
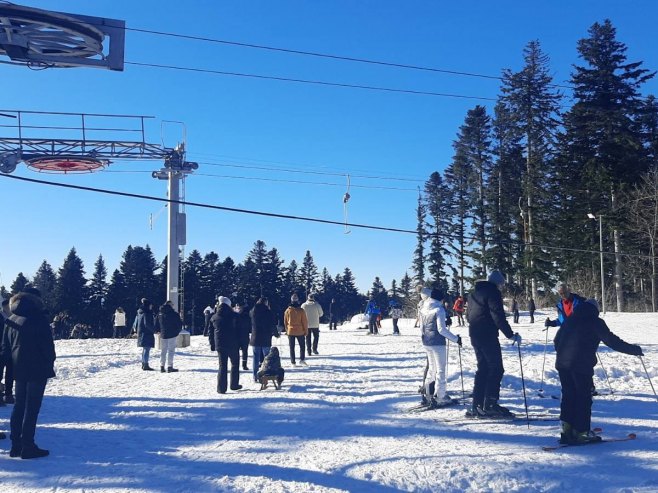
[(418, 262), (437, 226), (71, 291), (97, 311), (308, 273), (45, 280), (19, 283)]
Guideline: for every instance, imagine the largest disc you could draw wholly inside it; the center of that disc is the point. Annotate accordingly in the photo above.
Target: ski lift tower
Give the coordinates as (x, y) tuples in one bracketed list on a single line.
[(46, 39)]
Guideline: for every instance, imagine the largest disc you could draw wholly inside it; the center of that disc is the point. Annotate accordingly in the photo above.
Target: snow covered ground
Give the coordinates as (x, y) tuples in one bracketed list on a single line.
[(338, 425)]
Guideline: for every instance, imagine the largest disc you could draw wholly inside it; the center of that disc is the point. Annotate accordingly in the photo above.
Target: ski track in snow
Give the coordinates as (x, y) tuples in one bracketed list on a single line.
[(338, 425)]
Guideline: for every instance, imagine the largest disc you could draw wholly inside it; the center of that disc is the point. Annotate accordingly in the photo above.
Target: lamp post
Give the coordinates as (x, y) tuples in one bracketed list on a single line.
[(592, 216)]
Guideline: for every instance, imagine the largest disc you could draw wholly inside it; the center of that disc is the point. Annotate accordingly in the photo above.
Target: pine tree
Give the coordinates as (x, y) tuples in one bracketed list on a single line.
[(19, 283), (71, 291), (192, 271), (97, 312), (45, 280), (532, 102), (419, 252), (439, 212), (406, 294), (138, 267), (308, 274)]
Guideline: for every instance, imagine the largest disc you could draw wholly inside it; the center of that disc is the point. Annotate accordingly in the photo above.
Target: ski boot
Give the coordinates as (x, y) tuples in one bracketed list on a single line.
[(585, 437), (567, 434), (495, 410)]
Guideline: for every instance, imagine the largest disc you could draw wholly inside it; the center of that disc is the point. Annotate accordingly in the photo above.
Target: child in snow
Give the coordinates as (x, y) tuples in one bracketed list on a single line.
[(575, 345), (434, 333), (271, 366)]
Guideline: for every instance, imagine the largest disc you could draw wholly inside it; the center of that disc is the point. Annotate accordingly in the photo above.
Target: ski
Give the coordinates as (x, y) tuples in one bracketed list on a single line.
[(425, 407), (521, 418), (630, 436)]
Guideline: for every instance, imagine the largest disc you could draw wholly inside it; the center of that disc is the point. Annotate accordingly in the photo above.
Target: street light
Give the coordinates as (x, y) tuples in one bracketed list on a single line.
[(592, 216)]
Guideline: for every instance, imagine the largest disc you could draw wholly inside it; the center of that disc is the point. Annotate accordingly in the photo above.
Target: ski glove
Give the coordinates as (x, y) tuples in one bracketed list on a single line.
[(516, 338), (459, 341), (547, 323), (638, 351)]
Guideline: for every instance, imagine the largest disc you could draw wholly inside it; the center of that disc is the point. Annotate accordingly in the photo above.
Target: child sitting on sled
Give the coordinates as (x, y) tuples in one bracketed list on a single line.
[(271, 370)]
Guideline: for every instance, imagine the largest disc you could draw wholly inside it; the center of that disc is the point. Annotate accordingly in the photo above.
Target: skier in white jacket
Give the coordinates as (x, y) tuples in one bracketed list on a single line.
[(434, 334)]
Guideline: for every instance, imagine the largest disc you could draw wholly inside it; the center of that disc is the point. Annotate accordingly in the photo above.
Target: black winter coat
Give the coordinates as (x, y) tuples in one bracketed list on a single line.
[(578, 339), (485, 314), (224, 335), (168, 322), (28, 340), (263, 326), (144, 325), (243, 321)]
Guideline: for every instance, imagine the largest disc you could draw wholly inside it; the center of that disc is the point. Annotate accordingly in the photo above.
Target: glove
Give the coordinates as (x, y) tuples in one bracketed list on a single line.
[(459, 341), (516, 338), (547, 323), (638, 351)]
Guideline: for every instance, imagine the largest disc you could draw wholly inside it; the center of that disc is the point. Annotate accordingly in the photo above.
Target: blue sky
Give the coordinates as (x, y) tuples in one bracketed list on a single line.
[(281, 125)]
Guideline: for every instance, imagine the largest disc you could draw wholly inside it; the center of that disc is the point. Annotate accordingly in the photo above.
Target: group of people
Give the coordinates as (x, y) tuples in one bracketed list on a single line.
[(576, 342), (167, 324)]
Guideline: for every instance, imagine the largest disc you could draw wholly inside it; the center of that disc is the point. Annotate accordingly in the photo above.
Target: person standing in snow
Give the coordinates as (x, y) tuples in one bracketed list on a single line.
[(28, 341), (144, 325), (372, 312), (333, 316), (296, 325), (243, 321), (515, 310), (576, 343), (207, 315), (263, 327), (6, 364), (119, 324), (458, 308), (225, 340), (313, 313), (433, 334), (565, 307), (396, 314), (486, 316), (168, 324), (531, 310)]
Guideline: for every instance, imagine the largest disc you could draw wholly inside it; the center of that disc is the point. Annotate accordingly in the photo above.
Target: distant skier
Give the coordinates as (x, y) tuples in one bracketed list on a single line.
[(565, 307), (433, 334), (486, 316), (515, 310), (396, 313), (458, 308), (531, 310), (576, 343), (372, 311)]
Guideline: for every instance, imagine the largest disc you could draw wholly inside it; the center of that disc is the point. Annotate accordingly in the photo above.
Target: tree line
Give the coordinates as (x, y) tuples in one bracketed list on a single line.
[(523, 179)]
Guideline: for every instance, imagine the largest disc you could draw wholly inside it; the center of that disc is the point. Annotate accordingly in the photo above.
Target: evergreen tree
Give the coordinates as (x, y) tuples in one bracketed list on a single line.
[(308, 274), (71, 291), (98, 314), (193, 306), (350, 301), (533, 103), (138, 267), (45, 280), (439, 213), (419, 252), (118, 296), (19, 283), (378, 292), (406, 294)]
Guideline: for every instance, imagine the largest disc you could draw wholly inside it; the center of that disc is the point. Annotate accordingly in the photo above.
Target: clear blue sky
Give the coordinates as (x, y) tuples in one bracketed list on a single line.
[(272, 124)]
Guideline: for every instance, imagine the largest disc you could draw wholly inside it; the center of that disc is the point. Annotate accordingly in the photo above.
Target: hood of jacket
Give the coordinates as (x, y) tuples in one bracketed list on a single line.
[(26, 305)]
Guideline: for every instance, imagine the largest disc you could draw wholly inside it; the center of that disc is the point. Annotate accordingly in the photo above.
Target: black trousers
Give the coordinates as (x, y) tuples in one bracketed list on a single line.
[(576, 404), (372, 324), (244, 349), (120, 331), (7, 369), (29, 396), (532, 317), (222, 374), (314, 334), (396, 330), (291, 343), (489, 372), (516, 317)]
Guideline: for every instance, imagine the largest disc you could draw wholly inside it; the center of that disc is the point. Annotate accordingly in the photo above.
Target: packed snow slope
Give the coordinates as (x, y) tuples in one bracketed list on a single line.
[(338, 425)]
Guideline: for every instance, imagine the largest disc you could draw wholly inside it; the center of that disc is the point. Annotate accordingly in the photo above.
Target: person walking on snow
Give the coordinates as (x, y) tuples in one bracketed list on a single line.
[(486, 316), (296, 325), (313, 313), (144, 325), (168, 324), (433, 334), (333, 316), (396, 314), (576, 343), (531, 310), (372, 312), (458, 308)]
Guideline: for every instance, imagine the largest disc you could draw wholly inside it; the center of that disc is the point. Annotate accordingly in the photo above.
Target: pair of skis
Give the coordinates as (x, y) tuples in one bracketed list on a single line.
[(629, 437)]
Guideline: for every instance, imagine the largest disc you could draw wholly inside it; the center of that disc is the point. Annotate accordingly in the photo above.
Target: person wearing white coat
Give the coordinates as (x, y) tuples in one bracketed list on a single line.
[(434, 334), (313, 313)]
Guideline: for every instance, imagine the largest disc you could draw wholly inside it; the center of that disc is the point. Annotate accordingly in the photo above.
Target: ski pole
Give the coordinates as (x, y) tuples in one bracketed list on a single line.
[(461, 372), (543, 364), (605, 373), (447, 354), (525, 399), (648, 378)]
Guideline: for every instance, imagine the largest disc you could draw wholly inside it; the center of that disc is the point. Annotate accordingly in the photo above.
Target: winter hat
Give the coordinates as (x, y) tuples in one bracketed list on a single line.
[(294, 298), (225, 300), (496, 277), (437, 294), (425, 293), (32, 290), (594, 303)]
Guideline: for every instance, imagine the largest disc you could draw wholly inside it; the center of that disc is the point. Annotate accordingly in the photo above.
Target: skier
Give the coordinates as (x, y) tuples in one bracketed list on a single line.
[(372, 311), (576, 343), (396, 313), (486, 316), (515, 310), (458, 308), (565, 307), (433, 334), (296, 324), (531, 310)]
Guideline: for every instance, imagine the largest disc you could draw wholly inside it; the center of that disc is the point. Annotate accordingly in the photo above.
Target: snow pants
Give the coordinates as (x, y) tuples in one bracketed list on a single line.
[(29, 396), (437, 358), (489, 372), (225, 355), (576, 404), (396, 329)]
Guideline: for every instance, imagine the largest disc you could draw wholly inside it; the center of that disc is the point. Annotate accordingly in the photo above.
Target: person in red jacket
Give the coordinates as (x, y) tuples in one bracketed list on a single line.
[(458, 308)]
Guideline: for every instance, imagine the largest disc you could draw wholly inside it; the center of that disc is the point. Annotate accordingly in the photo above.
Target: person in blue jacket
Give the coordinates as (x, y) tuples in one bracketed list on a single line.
[(372, 310)]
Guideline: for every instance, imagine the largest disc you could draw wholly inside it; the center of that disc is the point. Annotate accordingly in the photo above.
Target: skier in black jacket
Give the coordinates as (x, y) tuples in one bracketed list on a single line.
[(486, 316), (575, 345)]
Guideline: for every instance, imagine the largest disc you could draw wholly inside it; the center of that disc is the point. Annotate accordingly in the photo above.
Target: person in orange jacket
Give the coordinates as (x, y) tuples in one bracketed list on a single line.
[(296, 324), (458, 308)]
